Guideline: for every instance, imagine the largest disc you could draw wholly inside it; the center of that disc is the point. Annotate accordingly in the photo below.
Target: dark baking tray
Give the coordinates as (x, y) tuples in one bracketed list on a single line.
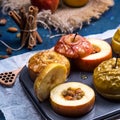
[(103, 108)]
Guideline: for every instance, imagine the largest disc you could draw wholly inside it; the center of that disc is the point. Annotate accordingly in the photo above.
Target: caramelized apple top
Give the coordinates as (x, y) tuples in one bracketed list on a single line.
[(41, 59)]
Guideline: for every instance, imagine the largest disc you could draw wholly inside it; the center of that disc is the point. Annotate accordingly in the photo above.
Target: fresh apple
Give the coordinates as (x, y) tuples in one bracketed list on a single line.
[(116, 42), (75, 3), (75, 107), (73, 46), (102, 52), (46, 4)]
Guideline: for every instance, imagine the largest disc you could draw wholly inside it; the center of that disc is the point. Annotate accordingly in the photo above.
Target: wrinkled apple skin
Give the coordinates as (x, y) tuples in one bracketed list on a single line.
[(46, 4), (106, 79), (73, 47)]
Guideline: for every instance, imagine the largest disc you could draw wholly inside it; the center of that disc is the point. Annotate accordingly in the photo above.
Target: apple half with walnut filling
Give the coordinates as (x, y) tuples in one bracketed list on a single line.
[(72, 99), (102, 51)]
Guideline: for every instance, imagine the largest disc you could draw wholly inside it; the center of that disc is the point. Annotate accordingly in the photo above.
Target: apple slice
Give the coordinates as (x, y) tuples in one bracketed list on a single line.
[(102, 52), (52, 75), (72, 107)]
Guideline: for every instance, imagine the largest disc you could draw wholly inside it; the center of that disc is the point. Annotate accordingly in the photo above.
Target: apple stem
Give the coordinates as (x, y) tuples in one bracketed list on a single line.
[(116, 61), (75, 36)]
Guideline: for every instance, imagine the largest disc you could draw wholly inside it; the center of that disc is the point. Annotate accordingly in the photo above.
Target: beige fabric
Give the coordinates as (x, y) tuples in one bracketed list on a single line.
[(67, 19)]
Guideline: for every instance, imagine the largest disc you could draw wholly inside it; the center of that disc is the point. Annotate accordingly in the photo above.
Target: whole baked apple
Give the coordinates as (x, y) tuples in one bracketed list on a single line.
[(73, 46), (46, 4), (40, 60), (106, 79)]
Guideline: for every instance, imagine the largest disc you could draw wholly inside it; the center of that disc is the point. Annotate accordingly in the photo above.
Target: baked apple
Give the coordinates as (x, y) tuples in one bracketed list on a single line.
[(46, 4), (73, 46), (102, 51), (43, 58), (51, 76), (72, 99), (116, 42), (106, 79)]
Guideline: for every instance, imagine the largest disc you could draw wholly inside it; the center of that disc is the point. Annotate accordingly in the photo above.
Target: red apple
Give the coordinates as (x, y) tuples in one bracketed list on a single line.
[(103, 52), (72, 108), (46, 4), (73, 46)]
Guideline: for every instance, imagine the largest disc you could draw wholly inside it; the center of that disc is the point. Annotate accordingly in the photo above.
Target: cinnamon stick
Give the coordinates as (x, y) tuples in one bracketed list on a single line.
[(35, 9), (32, 15), (17, 15), (22, 13), (15, 18), (39, 39)]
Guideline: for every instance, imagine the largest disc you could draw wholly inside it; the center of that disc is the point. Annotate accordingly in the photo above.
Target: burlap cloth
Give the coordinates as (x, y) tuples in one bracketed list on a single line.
[(65, 19)]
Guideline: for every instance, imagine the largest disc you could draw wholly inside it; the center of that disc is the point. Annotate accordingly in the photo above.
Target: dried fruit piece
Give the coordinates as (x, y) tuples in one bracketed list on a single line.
[(9, 51), (3, 21), (18, 35), (12, 29)]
